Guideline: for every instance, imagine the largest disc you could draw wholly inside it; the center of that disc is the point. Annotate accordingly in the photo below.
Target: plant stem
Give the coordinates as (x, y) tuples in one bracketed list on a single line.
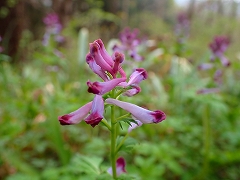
[(103, 121), (123, 116), (113, 142), (207, 131)]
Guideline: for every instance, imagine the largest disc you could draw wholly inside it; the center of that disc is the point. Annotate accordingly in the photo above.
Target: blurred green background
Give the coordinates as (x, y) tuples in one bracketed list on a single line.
[(200, 139)]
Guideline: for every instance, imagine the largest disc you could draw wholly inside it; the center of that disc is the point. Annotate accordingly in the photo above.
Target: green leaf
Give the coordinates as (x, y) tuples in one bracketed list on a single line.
[(87, 164), (128, 144)]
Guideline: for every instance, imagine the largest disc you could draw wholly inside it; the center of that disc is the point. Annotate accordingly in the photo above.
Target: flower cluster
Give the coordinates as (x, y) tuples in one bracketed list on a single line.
[(218, 47), (110, 71), (114, 83), (129, 42), (53, 28)]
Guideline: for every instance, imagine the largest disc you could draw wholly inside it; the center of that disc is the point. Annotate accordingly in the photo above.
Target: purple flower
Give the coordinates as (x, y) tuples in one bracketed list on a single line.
[(104, 52), (130, 37), (96, 107), (218, 76), (120, 164), (101, 88), (225, 62), (139, 113), (218, 47), (205, 66), (137, 76), (129, 43), (53, 27), (51, 19), (182, 26), (104, 60), (118, 58), (95, 68), (134, 55), (135, 89), (208, 90), (97, 56), (77, 116), (97, 111)]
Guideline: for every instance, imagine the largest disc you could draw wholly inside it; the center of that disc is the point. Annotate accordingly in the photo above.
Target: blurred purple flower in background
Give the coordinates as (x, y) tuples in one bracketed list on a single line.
[(129, 43), (53, 28), (218, 47), (182, 27)]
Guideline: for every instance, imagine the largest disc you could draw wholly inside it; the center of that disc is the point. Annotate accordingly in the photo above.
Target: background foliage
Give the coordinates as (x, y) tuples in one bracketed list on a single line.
[(200, 139)]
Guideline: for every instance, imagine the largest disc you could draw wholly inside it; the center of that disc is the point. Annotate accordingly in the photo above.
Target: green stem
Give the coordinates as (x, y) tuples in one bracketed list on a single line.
[(123, 116), (119, 93), (113, 142), (207, 131), (103, 121)]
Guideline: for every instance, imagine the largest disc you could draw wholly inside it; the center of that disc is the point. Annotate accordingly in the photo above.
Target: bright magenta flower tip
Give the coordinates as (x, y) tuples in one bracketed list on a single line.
[(118, 57), (77, 116)]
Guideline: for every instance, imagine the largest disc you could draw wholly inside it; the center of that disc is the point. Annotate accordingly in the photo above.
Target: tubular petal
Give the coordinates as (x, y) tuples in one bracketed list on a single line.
[(101, 88), (139, 113), (137, 76), (97, 111), (77, 116), (95, 68), (95, 52)]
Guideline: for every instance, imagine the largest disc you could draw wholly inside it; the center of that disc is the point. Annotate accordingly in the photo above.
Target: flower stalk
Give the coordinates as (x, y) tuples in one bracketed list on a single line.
[(113, 142), (206, 140)]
